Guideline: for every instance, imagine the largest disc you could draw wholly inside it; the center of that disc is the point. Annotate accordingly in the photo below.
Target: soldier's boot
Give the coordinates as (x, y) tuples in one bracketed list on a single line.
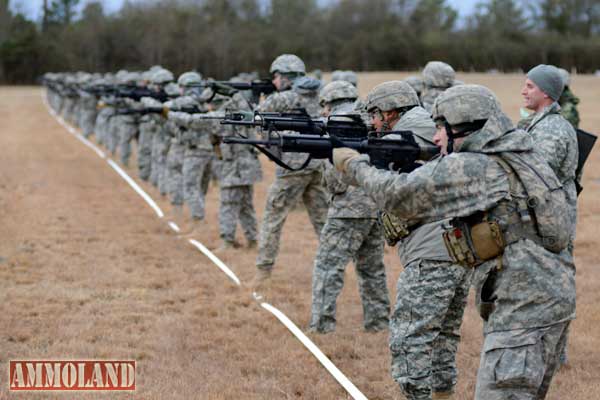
[(251, 244), (225, 246), (261, 279), (442, 395), (176, 216), (195, 227)]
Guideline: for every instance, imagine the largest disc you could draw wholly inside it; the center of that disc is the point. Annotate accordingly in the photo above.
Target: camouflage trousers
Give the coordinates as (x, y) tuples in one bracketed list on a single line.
[(283, 195), (102, 124), (67, 109), (175, 173), (87, 122), (127, 130), (237, 205), (144, 148), (343, 240), (425, 326), (112, 134), (520, 364), (160, 149), (196, 177)]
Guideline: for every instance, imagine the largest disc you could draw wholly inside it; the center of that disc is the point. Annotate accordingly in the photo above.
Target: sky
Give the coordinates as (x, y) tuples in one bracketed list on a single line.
[(32, 8)]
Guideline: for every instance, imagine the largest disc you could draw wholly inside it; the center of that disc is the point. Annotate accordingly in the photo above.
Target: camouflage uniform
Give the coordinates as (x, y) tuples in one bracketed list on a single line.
[(161, 142), (177, 147), (197, 164), (150, 125), (126, 130), (432, 290), (290, 186), (238, 170), (351, 232), (526, 295), (556, 141), (568, 101), (89, 112), (437, 76)]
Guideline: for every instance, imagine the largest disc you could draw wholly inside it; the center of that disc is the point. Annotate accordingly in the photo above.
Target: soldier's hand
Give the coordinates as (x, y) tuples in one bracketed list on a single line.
[(342, 156)]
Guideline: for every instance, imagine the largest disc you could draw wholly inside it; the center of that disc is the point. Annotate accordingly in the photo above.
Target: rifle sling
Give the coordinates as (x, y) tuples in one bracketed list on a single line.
[(279, 162)]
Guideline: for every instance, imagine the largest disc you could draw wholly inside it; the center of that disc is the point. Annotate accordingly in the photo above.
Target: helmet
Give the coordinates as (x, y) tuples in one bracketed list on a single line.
[(162, 76), (172, 89), (416, 83), (288, 63), (391, 95), (338, 90), (438, 74), (464, 104), (189, 78), (129, 78), (566, 77), (307, 85), (348, 76)]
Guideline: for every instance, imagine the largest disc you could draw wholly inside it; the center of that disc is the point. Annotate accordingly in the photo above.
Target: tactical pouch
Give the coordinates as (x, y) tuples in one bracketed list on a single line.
[(471, 245), (394, 229)]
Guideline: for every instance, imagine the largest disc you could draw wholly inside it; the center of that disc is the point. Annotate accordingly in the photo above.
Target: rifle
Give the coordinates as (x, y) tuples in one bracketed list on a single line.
[(349, 126), (258, 87), (398, 154)]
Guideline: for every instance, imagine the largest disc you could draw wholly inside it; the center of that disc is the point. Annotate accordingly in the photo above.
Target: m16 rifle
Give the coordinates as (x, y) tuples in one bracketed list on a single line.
[(318, 138)]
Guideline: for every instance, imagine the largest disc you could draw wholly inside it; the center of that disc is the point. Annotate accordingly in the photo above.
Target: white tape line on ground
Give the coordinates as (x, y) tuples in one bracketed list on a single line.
[(326, 362), (135, 187), (214, 259), (174, 226), (90, 145)]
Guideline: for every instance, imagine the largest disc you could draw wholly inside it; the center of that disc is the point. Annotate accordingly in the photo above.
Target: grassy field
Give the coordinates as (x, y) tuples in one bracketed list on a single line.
[(87, 270)]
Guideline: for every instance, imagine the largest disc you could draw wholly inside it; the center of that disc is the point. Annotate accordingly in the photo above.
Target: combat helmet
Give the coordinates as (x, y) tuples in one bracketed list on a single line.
[(162, 77), (416, 83), (337, 90), (189, 78), (438, 74), (288, 64), (348, 76), (391, 95), (465, 104)]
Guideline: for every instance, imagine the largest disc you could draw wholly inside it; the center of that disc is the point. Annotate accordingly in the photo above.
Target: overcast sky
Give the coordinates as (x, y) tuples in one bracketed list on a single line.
[(32, 8)]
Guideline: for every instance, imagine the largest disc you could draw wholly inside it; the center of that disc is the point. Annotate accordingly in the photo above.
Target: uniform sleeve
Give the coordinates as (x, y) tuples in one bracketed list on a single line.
[(452, 186)]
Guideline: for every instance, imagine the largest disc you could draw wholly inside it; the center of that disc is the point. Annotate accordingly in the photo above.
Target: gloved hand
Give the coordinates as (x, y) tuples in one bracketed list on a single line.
[(342, 156)]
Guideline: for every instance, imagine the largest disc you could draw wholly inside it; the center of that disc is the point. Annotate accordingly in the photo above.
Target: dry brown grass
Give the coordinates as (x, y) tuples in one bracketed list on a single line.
[(88, 271)]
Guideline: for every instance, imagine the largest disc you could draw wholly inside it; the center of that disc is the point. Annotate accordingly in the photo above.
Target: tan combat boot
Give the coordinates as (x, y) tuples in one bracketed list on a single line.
[(261, 279), (195, 227)]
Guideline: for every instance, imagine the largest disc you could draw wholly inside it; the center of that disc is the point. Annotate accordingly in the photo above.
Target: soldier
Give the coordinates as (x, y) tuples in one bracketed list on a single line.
[(568, 101), (555, 139), (437, 76), (239, 168), (176, 124), (161, 140), (89, 110), (289, 186), (150, 125), (525, 288), (197, 158), (105, 113), (424, 333), (351, 232)]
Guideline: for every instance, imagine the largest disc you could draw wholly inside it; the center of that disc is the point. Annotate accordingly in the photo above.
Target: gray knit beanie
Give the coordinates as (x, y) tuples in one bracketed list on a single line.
[(548, 79)]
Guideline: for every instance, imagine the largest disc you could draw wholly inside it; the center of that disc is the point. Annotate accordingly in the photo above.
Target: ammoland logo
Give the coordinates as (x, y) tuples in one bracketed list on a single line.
[(72, 375)]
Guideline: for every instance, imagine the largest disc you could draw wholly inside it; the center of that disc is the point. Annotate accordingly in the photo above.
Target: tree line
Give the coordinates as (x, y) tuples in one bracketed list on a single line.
[(222, 37)]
